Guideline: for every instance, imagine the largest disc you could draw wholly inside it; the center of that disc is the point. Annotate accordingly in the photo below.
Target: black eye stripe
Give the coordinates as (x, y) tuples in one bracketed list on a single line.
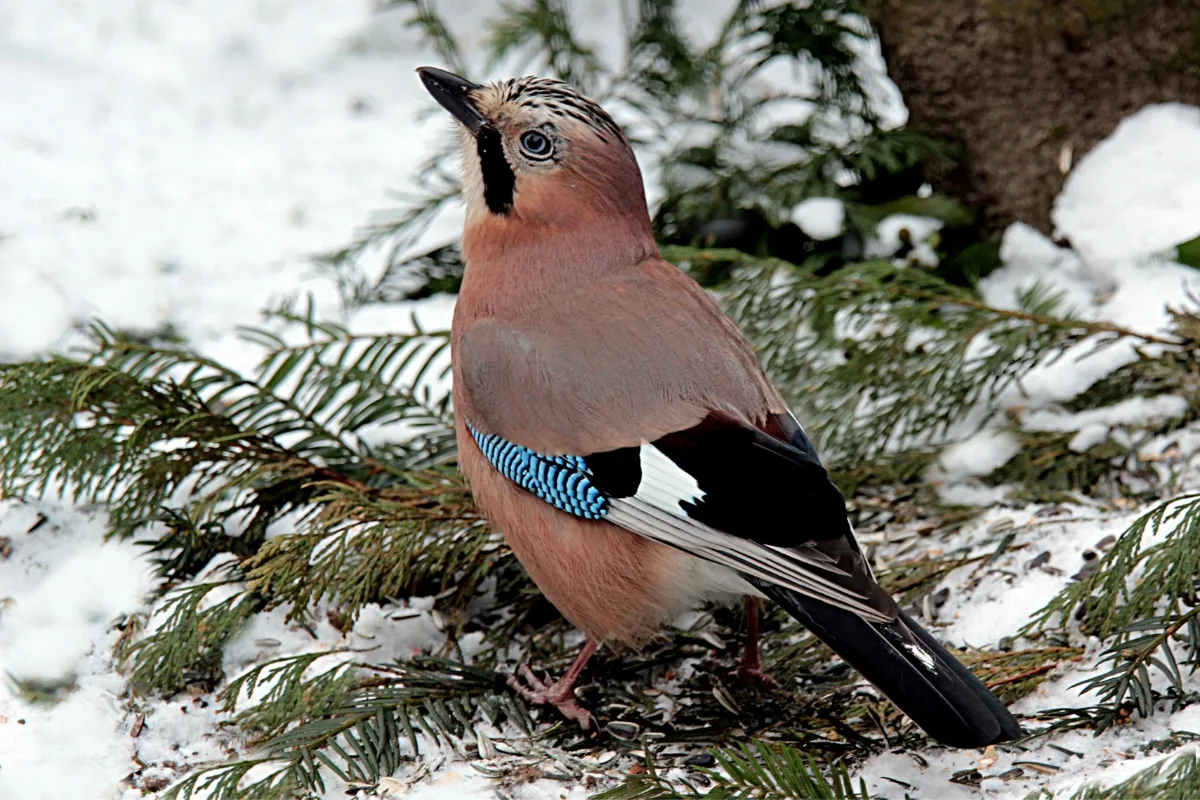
[(499, 183)]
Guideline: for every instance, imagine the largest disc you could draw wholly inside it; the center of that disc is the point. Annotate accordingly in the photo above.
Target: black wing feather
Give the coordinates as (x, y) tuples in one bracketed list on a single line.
[(755, 485)]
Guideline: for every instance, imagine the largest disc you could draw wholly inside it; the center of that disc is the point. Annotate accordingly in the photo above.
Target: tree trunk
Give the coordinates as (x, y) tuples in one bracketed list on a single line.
[(1025, 87)]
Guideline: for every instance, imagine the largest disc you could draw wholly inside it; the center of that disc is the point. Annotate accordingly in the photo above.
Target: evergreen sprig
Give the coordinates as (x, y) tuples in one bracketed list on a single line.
[(757, 770), (425, 538), (1141, 599), (885, 358), (186, 648), (1176, 777), (359, 724), (324, 478), (1151, 566)]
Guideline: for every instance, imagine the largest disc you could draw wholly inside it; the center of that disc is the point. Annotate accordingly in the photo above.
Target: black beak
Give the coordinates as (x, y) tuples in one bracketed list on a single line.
[(454, 95)]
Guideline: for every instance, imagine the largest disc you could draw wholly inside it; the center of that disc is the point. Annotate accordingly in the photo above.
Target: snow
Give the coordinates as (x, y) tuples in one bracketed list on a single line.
[(1136, 193), (1127, 412), (897, 229), (980, 454), (178, 163), (60, 590), (820, 217)]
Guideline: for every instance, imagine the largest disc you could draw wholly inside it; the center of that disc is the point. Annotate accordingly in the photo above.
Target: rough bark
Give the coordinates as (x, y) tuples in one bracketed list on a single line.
[(1018, 84)]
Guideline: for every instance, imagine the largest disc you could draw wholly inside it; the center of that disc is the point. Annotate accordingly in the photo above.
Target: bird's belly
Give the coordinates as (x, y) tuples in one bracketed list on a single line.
[(614, 585)]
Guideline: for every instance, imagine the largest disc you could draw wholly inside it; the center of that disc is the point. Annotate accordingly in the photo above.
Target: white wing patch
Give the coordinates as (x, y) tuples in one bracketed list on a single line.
[(664, 485), (655, 512), (790, 568)]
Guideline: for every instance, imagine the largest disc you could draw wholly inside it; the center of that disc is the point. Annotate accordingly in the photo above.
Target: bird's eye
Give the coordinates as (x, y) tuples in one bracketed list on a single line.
[(536, 145)]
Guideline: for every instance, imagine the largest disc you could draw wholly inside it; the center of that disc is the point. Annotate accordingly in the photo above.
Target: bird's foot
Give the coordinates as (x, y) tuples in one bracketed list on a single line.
[(753, 675), (560, 694), (750, 669)]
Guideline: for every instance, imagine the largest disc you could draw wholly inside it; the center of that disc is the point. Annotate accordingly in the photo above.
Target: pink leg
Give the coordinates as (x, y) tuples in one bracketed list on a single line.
[(561, 693), (750, 669)]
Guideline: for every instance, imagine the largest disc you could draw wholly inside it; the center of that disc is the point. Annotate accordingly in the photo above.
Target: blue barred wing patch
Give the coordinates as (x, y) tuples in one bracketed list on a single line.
[(562, 481)]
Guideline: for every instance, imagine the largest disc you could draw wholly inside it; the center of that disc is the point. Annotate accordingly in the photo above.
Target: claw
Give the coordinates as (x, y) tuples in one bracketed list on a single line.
[(560, 694), (756, 677)]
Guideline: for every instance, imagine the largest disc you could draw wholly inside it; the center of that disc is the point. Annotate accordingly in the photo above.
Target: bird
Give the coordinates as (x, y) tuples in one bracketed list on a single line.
[(617, 428)]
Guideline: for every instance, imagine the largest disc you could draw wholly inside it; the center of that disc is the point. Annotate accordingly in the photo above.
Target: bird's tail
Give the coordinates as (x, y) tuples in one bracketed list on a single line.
[(908, 665)]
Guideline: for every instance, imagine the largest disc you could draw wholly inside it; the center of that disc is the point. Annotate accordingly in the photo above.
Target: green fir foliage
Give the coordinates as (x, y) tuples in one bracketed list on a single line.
[(1141, 600), (750, 771), (272, 488)]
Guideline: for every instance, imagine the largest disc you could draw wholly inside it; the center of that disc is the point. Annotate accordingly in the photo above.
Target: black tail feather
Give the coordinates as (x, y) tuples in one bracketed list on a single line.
[(908, 665)]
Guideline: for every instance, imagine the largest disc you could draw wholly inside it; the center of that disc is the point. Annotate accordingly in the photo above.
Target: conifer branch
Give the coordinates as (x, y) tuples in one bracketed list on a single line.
[(1175, 777), (756, 770)]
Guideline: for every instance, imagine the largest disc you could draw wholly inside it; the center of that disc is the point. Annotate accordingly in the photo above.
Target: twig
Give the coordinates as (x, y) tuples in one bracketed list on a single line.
[(1029, 673)]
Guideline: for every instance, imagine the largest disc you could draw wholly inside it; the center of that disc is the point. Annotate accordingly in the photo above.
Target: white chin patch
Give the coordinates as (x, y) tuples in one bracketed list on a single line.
[(664, 485)]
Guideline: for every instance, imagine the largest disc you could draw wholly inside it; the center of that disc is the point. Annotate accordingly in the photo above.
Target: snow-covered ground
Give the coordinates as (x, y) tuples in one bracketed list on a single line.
[(177, 162)]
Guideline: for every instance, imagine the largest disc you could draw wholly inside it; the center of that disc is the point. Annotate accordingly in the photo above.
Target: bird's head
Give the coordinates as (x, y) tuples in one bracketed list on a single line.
[(538, 152)]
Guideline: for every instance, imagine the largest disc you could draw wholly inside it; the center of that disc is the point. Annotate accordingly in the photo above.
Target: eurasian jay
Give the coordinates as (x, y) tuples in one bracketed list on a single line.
[(618, 428)]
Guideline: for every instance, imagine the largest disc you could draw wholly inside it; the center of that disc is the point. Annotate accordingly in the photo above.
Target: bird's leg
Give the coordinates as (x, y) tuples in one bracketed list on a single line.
[(750, 669), (561, 693)]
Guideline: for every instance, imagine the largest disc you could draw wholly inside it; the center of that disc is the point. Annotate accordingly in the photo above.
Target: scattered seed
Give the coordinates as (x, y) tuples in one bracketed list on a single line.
[(139, 722), (1089, 555), (725, 699), (1037, 766), (439, 620), (625, 731), (940, 598), (1011, 774), (710, 637), (989, 757), (1106, 542), (41, 520), (1040, 560), (967, 777), (390, 787), (1001, 525), (700, 760), (1052, 511), (267, 643), (484, 743), (6, 548), (1005, 644), (897, 782)]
